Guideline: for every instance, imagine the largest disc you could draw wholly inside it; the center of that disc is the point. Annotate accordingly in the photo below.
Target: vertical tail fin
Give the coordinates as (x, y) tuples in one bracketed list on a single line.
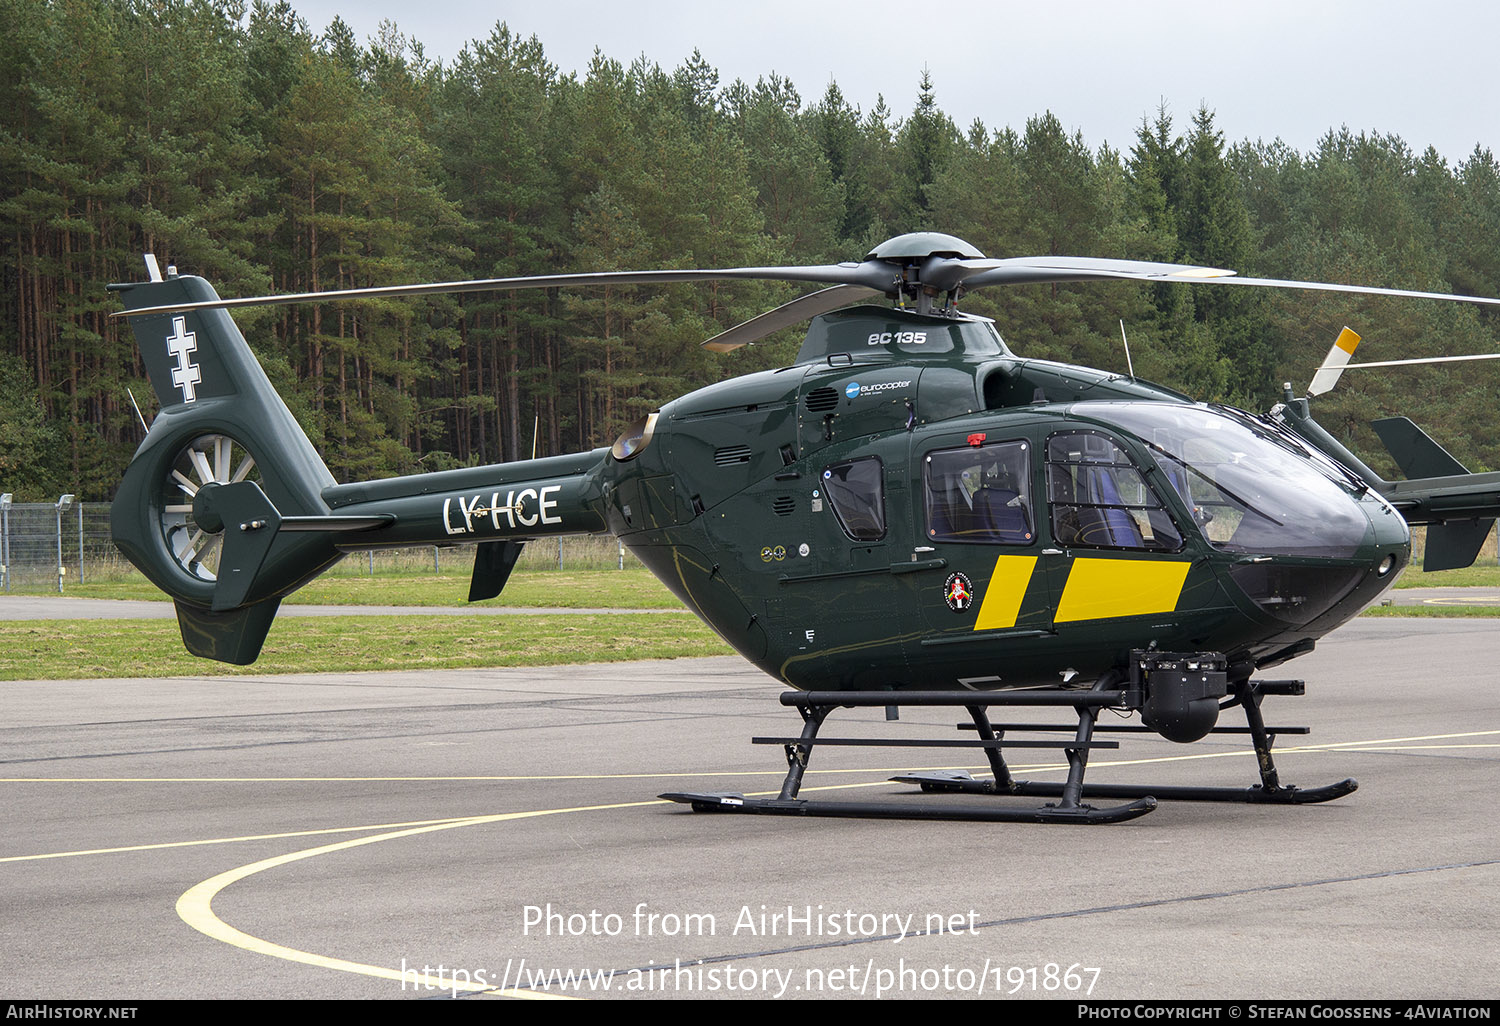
[(223, 458), (1451, 544)]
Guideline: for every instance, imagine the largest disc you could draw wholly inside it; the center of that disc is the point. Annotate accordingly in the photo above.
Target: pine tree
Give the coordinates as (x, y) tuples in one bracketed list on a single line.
[(926, 143)]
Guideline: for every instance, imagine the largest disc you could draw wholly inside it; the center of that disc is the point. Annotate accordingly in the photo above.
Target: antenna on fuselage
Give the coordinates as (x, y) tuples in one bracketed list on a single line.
[(1128, 364), (138, 415)]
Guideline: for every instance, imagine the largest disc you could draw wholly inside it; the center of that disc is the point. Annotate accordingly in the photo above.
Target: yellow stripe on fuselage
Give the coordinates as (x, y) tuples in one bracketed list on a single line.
[(1102, 588), (1003, 595)]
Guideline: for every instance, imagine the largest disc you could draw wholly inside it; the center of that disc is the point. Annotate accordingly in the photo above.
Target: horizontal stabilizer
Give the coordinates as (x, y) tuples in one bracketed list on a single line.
[(1456, 544), (1414, 450), (335, 524), (234, 636), (250, 525)]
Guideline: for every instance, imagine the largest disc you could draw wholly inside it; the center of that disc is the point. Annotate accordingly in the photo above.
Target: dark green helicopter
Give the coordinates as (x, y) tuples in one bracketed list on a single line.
[(909, 514)]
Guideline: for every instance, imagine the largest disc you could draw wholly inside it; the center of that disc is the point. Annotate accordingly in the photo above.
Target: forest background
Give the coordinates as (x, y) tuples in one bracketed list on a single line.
[(237, 144)]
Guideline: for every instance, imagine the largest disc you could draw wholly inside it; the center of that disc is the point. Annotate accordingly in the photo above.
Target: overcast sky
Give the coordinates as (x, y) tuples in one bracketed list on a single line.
[(1271, 68)]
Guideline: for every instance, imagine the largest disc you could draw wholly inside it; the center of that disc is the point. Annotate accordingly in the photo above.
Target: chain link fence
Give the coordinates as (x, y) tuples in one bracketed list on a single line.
[(47, 548)]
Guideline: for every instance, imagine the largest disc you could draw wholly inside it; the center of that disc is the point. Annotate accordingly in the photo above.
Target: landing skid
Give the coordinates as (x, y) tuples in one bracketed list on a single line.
[(963, 782), (1069, 807), (896, 810)]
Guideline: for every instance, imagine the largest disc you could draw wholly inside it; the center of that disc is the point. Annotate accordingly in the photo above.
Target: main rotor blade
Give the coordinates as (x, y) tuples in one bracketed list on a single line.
[(1058, 269), (788, 314), (871, 274), (1364, 290), (1045, 270)]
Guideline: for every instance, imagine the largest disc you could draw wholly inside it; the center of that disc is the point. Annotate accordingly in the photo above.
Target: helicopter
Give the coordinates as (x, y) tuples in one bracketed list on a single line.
[(909, 514)]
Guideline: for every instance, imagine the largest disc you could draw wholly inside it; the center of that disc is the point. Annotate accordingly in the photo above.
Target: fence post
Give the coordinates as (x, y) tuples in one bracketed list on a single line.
[(61, 506), (80, 543), (5, 538)]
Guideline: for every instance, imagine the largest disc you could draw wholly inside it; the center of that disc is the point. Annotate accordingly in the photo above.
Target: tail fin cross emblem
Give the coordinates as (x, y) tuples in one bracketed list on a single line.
[(181, 344)]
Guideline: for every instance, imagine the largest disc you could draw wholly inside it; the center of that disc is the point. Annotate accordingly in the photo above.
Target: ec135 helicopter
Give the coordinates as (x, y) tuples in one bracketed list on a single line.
[(909, 514)]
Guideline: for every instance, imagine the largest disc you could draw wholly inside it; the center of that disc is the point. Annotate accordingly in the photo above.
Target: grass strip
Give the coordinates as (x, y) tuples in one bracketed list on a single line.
[(71, 649), (1445, 612), (632, 588), (1480, 575)]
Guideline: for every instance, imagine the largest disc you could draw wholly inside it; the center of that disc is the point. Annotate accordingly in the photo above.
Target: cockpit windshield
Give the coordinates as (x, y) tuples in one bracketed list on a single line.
[(1250, 487)]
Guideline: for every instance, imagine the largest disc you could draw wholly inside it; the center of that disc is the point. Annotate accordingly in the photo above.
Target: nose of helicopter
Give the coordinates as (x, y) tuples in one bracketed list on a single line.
[(1301, 538), (1318, 593), (1389, 550)]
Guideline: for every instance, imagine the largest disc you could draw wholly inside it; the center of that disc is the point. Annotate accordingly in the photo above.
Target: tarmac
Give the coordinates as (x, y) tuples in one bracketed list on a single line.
[(481, 833)]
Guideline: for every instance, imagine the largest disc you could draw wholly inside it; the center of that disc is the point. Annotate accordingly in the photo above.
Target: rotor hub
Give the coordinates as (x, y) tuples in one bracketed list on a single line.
[(921, 245)]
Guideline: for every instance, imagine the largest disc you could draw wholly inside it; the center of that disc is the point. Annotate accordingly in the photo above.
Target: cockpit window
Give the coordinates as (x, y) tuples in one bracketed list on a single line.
[(1100, 500), (1251, 487), (980, 494), (856, 490)]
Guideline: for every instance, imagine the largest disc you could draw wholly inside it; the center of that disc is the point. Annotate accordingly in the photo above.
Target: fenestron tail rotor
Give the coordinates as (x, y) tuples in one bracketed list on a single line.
[(205, 461)]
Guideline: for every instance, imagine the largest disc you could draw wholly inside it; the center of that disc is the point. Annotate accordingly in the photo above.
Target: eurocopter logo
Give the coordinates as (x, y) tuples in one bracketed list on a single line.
[(182, 343), (854, 389)]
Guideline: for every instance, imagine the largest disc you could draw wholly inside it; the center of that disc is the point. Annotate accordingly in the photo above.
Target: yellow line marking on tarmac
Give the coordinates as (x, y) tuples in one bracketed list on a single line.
[(230, 840), (1416, 748), (1333, 745), (195, 907), (363, 780)]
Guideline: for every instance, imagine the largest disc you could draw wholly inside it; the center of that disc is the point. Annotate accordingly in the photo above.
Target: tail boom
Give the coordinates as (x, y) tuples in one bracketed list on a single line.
[(227, 506)]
